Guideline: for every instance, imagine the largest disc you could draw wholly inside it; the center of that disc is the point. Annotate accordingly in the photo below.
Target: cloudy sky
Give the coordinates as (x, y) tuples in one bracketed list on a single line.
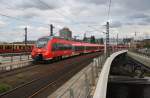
[(90, 16)]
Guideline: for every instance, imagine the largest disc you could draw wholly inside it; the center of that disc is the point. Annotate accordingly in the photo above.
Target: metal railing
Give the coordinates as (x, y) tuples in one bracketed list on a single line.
[(85, 81), (11, 57), (10, 61), (15, 65), (144, 54)]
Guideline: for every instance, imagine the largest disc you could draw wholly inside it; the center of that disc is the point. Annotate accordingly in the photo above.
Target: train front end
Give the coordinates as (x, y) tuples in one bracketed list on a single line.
[(41, 50)]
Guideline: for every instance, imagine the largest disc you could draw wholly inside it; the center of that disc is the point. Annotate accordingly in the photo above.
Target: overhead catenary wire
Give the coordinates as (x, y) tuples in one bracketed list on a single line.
[(42, 2), (108, 14), (26, 20), (22, 20), (73, 22)]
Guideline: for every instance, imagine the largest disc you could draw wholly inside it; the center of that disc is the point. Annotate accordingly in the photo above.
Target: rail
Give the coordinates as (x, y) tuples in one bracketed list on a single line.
[(101, 88)]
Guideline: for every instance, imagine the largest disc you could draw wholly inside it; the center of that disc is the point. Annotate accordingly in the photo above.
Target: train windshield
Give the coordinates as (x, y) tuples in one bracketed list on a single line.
[(41, 42)]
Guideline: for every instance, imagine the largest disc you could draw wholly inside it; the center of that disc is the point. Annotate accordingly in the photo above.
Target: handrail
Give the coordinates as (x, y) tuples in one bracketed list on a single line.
[(101, 88)]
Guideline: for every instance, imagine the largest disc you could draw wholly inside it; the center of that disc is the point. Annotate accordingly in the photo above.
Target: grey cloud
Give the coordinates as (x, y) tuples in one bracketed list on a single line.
[(97, 2), (147, 19), (138, 19), (124, 12), (40, 4), (30, 15), (115, 24), (136, 5), (138, 16), (143, 23)]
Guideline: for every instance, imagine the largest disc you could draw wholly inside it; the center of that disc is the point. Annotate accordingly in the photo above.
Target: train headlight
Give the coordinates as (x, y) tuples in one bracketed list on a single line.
[(46, 53)]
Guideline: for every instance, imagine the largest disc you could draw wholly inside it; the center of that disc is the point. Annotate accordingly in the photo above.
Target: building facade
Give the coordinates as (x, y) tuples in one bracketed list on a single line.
[(65, 33)]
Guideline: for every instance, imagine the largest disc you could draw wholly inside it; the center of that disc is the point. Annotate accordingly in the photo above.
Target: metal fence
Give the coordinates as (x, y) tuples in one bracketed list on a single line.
[(82, 86), (13, 57), (10, 61), (142, 53), (15, 65)]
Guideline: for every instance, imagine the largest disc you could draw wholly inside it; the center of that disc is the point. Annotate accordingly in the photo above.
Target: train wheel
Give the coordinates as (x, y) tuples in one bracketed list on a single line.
[(60, 57), (55, 59), (47, 61)]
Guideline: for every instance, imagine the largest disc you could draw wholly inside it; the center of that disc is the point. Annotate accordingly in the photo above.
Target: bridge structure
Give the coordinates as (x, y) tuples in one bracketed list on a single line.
[(118, 76)]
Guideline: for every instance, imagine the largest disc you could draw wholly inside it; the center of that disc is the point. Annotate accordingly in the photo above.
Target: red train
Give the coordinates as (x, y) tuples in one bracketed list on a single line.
[(55, 48), (49, 47)]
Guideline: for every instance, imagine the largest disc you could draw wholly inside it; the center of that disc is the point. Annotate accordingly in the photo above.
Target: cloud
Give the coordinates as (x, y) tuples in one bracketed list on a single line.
[(136, 5), (23, 26), (2, 23), (40, 4), (97, 2), (75, 14), (138, 16), (115, 24), (29, 15), (138, 19)]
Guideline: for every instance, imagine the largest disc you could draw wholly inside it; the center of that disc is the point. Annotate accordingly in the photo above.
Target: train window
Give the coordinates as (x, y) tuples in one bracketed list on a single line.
[(91, 48), (66, 47), (69, 47), (19, 47), (79, 48), (41, 42), (8, 47), (60, 46), (23, 47), (54, 47), (1, 46)]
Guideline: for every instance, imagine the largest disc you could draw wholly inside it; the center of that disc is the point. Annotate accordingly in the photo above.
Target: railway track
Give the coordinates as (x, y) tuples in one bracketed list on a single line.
[(57, 82), (29, 67), (49, 82), (25, 68)]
